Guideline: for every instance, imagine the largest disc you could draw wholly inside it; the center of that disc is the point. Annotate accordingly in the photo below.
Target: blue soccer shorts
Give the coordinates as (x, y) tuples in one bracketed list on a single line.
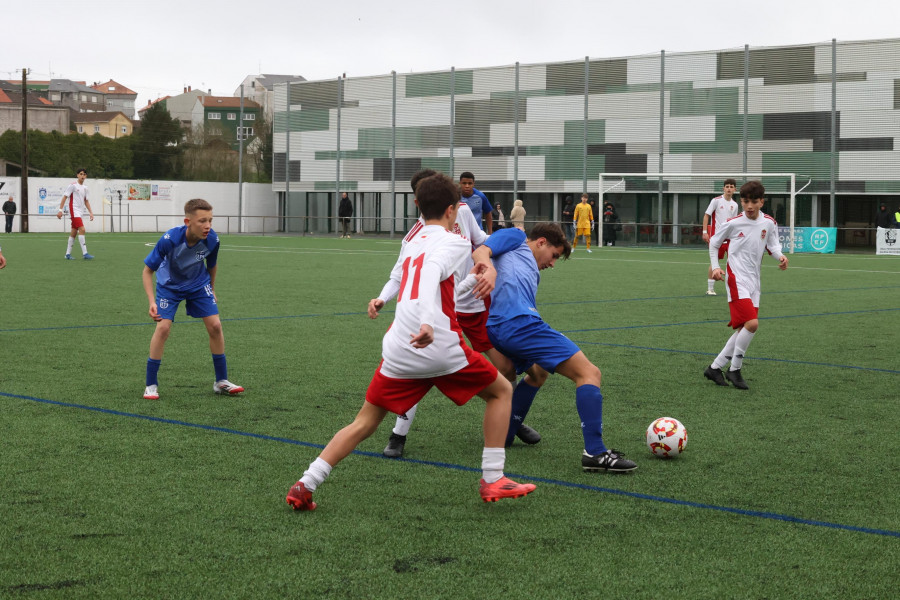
[(199, 303), (526, 341)]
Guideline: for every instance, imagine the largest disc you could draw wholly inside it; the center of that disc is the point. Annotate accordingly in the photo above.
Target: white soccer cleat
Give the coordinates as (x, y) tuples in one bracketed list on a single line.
[(151, 393), (588, 249), (223, 386), (710, 293)]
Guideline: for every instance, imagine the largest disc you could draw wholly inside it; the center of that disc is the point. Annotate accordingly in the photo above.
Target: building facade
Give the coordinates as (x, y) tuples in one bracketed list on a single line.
[(827, 112), (111, 124), (220, 117)]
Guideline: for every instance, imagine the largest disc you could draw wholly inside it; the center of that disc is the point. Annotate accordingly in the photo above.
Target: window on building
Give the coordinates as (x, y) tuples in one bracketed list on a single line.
[(81, 129), (244, 133), (249, 117), (232, 116), (215, 116), (96, 129), (124, 129), (111, 88), (94, 99), (84, 97), (54, 97)]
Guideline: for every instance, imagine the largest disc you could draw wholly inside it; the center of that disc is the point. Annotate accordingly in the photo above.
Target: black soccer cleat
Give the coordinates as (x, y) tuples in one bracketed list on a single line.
[(394, 449), (612, 461), (736, 379), (714, 374), (528, 435)]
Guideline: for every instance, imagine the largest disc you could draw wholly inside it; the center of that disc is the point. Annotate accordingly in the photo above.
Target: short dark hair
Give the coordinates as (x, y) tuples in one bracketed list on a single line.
[(466, 175), (729, 181), (585, 195), (553, 233), (753, 190), (192, 206), (419, 176), (81, 171), (434, 194)]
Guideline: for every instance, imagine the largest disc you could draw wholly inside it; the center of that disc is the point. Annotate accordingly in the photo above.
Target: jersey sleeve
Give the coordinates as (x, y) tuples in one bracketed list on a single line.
[(477, 235), (711, 209), (392, 286), (505, 240), (213, 244), (70, 189), (159, 252), (716, 241), (773, 243), (486, 205)]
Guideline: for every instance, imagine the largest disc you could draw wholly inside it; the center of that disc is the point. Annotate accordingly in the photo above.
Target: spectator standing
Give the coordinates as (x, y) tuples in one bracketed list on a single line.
[(345, 213), (517, 215), (883, 218), (567, 213), (9, 210), (610, 224)]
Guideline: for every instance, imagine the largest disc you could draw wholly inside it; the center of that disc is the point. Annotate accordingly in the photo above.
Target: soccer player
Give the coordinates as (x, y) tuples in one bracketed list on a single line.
[(184, 260), (720, 209), (471, 312), (77, 195), (477, 202), (517, 330), (751, 233), (2, 260), (423, 348), (583, 220)]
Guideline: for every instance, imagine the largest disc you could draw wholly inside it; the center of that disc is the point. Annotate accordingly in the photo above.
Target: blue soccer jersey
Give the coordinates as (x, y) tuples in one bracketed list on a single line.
[(517, 277), (479, 205), (181, 268)]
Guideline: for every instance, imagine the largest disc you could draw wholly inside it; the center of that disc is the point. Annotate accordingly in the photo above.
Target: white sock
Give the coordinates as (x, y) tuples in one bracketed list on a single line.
[(727, 352), (69, 247), (492, 461), (404, 422), (710, 284), (740, 348), (83, 245), (316, 473)]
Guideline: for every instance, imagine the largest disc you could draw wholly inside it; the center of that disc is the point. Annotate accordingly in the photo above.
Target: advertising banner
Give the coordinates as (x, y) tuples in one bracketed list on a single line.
[(138, 191), (808, 239), (887, 241)]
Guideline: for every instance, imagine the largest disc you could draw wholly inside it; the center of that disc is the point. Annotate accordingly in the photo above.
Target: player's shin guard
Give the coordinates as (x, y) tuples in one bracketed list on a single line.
[(492, 462), (152, 371), (727, 352), (404, 421), (741, 343), (522, 398), (589, 402)]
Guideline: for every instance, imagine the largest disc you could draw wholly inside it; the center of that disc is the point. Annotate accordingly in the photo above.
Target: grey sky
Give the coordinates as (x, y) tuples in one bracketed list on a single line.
[(157, 48)]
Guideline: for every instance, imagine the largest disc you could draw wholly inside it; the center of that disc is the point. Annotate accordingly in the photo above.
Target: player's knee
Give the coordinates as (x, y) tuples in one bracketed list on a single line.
[(163, 328), (215, 329), (752, 325)]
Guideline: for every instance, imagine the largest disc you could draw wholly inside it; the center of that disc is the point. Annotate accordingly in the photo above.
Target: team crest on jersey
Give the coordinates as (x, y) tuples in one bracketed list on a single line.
[(201, 255), (762, 235), (163, 303), (741, 234)]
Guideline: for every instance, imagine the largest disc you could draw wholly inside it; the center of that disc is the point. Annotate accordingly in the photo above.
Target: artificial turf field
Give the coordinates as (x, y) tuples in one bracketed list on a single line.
[(788, 490)]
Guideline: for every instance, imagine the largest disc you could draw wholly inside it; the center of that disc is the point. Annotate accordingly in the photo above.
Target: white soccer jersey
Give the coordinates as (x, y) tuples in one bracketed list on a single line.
[(77, 194), (749, 239), (430, 263), (465, 227), (720, 210)]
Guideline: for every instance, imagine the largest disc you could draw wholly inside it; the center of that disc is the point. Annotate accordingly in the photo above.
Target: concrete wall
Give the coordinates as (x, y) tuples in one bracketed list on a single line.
[(152, 206), (43, 119)]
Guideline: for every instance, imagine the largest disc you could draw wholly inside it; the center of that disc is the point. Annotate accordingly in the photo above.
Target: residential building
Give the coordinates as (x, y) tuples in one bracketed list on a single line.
[(118, 97), (42, 115), (220, 117), (111, 124), (76, 95), (180, 107), (261, 89)]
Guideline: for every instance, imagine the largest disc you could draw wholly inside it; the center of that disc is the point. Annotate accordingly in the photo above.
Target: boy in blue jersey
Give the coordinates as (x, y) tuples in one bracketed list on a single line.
[(476, 201), (517, 330), (184, 260)]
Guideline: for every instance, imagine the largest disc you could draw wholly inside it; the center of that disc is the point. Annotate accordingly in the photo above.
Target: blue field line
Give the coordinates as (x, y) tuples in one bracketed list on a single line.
[(751, 358), (444, 465)]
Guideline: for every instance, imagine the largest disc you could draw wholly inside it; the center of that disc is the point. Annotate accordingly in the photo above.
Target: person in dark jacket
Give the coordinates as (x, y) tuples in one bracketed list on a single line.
[(883, 218), (610, 224), (9, 210), (345, 213), (568, 212)]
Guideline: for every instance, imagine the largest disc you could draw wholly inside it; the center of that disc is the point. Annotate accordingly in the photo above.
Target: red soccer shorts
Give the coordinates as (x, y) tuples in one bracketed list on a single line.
[(742, 310), (474, 325), (400, 395), (723, 249), (77, 223)]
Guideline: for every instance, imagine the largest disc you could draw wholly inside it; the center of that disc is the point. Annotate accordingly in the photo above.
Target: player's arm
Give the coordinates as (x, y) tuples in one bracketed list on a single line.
[(147, 279), (715, 242), (2, 260), (487, 209), (212, 278), (705, 227), (773, 245), (59, 213), (389, 291), (87, 204)]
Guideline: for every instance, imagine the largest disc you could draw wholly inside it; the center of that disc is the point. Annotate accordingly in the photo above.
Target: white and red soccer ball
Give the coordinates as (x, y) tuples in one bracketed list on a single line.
[(666, 437)]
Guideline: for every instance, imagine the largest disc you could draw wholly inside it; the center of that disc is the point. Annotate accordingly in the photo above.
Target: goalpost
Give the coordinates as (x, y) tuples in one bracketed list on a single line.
[(693, 183)]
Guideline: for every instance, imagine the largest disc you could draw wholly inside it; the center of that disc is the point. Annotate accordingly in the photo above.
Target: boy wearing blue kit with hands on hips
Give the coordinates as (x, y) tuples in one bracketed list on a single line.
[(184, 260)]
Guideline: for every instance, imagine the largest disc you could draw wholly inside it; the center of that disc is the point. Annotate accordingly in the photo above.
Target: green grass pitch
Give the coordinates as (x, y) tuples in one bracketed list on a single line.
[(788, 490)]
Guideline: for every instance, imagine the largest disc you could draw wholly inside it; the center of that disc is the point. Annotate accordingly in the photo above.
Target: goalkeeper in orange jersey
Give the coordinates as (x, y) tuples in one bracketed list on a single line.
[(584, 222)]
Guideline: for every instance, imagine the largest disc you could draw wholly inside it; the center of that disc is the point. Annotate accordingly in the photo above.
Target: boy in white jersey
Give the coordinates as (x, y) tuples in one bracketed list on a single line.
[(424, 348), (77, 195), (720, 209), (471, 312), (751, 233)]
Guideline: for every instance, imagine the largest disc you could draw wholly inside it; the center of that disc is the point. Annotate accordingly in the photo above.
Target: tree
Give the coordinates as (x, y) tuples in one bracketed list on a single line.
[(157, 145)]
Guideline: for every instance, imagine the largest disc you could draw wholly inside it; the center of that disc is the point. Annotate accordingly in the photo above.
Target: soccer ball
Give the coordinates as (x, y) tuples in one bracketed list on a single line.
[(666, 437)]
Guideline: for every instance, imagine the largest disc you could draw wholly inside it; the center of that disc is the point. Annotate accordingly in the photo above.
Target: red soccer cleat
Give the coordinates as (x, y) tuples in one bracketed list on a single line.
[(504, 488), (300, 498), (223, 386)]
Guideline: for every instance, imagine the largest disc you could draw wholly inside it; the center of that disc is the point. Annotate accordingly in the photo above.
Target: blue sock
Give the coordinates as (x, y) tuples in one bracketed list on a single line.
[(152, 371), (522, 398), (221, 366), (589, 402)]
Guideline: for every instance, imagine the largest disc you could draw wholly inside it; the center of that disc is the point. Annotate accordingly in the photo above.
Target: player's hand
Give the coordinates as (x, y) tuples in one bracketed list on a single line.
[(783, 263), (718, 274), (59, 214), (2, 261), (375, 305), (706, 236), (487, 279), (425, 337), (92, 217), (154, 312), (592, 225)]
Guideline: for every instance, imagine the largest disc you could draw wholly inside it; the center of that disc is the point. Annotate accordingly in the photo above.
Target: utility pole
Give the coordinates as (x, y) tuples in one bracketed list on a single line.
[(24, 189)]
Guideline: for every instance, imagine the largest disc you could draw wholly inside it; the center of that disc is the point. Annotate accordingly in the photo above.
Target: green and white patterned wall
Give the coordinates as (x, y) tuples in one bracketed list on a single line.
[(735, 110)]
